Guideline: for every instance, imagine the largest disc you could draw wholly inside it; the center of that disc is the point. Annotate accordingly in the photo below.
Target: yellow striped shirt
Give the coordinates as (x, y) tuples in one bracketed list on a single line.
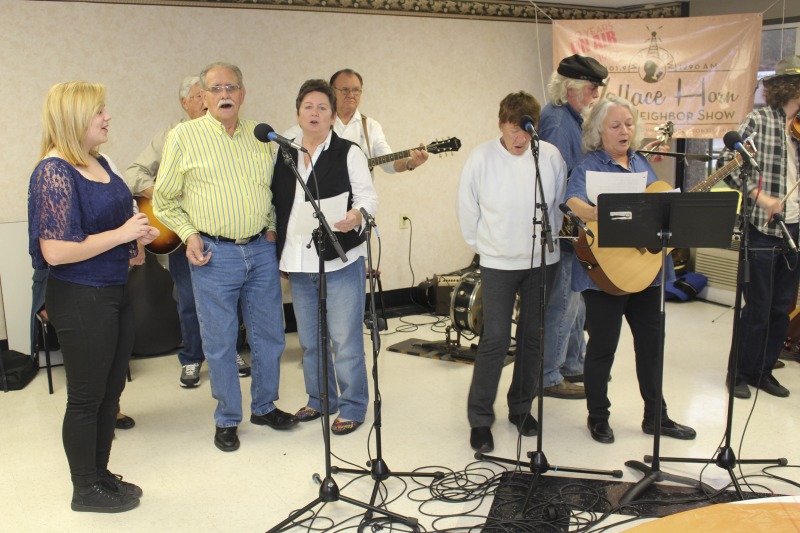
[(213, 183)]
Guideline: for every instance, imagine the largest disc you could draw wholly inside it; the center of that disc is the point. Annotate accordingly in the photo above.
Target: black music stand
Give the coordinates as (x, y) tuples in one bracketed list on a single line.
[(656, 222)]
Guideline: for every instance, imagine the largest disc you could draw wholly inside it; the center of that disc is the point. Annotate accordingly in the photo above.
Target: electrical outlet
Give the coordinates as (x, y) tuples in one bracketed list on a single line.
[(404, 220)]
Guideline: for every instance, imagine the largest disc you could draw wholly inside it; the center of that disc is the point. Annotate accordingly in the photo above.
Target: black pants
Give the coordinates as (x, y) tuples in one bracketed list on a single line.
[(604, 314), (764, 319), (499, 289), (95, 327)]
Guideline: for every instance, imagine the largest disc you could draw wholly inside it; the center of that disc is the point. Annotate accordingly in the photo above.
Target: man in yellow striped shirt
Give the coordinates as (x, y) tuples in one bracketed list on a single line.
[(213, 190)]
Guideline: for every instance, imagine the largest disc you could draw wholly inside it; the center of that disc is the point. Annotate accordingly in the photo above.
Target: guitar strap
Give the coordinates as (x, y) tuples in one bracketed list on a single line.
[(366, 135)]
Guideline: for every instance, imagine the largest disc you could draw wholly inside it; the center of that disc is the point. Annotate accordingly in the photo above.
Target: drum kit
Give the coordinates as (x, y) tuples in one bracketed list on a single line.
[(466, 305)]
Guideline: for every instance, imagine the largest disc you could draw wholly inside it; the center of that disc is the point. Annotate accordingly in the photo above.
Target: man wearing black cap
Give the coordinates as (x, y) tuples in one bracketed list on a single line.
[(572, 88), (773, 276)]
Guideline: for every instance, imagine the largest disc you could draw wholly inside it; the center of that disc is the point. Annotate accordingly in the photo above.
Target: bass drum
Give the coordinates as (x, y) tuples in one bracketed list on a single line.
[(466, 305)]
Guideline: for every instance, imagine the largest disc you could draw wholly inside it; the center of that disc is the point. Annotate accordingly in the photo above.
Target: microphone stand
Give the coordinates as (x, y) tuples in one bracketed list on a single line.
[(378, 467), (725, 457), (329, 490), (538, 460)]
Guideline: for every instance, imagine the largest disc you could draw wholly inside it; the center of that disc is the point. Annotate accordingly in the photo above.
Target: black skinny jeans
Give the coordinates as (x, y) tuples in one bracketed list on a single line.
[(95, 329)]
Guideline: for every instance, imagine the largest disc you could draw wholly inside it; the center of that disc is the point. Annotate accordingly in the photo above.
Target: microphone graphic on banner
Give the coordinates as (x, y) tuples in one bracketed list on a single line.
[(576, 219), (265, 134), (733, 141)]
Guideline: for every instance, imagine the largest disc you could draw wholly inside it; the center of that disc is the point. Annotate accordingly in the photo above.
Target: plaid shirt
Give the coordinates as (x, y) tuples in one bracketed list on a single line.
[(767, 127)]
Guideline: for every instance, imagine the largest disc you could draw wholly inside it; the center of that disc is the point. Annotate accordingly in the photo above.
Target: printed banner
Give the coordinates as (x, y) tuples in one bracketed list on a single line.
[(697, 72)]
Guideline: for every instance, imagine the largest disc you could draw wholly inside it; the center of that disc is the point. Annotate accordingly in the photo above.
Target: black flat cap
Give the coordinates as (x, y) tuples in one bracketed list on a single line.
[(586, 68)]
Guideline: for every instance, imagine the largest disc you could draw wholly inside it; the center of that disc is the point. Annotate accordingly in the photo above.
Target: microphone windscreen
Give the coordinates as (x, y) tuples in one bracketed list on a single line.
[(524, 121), (564, 209), (262, 131), (731, 139)]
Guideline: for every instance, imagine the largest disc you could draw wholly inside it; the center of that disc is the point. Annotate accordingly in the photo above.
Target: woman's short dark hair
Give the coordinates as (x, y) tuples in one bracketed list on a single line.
[(319, 86), (518, 104)]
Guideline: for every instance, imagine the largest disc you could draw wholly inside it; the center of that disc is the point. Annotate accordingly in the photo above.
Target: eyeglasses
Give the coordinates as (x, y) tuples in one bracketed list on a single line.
[(216, 89), (198, 96), (348, 92)]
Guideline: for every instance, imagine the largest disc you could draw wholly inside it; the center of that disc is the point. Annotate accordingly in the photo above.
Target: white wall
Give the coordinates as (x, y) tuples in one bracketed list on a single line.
[(423, 78)]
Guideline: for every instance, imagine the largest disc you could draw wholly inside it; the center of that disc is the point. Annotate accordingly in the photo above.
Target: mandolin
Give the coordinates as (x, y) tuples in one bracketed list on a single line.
[(168, 241)]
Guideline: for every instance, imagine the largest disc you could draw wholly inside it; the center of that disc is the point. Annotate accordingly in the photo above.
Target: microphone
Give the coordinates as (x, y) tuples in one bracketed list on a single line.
[(733, 141), (576, 219), (526, 123), (778, 218), (265, 133), (369, 219)]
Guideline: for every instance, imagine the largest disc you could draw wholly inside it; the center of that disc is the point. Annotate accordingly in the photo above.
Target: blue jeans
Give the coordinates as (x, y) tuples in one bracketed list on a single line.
[(347, 369), (764, 319), (248, 273), (564, 341), (192, 351)]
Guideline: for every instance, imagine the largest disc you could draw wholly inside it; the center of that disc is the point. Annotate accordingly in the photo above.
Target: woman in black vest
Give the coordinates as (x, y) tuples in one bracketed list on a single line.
[(342, 180)]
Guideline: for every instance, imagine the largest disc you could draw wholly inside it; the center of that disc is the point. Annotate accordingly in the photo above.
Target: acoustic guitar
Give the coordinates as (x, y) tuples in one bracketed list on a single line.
[(619, 271), (437, 147), (168, 241)]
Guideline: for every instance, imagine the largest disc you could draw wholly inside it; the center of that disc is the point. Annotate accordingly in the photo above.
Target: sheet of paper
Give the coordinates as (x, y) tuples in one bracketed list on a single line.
[(334, 209), (613, 182)]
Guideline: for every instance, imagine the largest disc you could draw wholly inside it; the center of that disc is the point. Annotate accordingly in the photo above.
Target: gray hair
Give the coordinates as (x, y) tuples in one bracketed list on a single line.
[(558, 86), (187, 84), (221, 64), (593, 125)]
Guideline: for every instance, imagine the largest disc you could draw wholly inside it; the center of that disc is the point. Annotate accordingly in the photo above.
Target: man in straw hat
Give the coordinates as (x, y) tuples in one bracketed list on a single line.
[(774, 271)]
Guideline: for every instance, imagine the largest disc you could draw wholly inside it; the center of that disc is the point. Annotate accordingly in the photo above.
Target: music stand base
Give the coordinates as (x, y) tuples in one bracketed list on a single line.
[(652, 476)]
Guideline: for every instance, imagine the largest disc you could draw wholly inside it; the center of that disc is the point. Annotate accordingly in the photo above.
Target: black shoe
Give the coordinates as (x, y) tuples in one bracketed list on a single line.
[(276, 419), (115, 483), (98, 498), (481, 439), (525, 423), (600, 430), (778, 364), (740, 388), (669, 428), (770, 385), (125, 422), (226, 439)]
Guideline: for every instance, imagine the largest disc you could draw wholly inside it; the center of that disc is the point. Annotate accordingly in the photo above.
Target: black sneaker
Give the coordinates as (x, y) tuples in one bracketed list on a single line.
[(242, 366), (115, 483), (190, 375), (98, 498), (770, 385)]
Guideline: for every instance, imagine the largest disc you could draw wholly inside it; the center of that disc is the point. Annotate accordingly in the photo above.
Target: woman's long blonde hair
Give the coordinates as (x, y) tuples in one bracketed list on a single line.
[(67, 112)]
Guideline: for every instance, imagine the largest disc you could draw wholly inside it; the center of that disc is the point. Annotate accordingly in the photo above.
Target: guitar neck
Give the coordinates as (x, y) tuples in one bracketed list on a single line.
[(381, 159), (715, 177)]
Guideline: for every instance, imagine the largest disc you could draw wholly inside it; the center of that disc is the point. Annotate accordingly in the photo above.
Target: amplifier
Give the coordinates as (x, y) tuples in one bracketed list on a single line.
[(443, 292)]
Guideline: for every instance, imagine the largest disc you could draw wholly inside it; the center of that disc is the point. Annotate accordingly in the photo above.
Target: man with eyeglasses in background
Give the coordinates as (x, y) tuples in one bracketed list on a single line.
[(213, 190), (365, 131), (141, 178)]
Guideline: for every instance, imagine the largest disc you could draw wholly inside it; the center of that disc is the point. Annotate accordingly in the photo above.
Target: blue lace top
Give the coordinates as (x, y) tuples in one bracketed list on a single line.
[(64, 205)]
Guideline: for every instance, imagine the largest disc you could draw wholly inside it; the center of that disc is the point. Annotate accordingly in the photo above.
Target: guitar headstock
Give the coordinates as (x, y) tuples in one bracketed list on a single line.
[(665, 132), (452, 144)]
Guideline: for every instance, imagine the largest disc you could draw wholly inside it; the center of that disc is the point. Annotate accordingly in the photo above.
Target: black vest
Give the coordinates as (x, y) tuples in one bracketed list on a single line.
[(333, 179)]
